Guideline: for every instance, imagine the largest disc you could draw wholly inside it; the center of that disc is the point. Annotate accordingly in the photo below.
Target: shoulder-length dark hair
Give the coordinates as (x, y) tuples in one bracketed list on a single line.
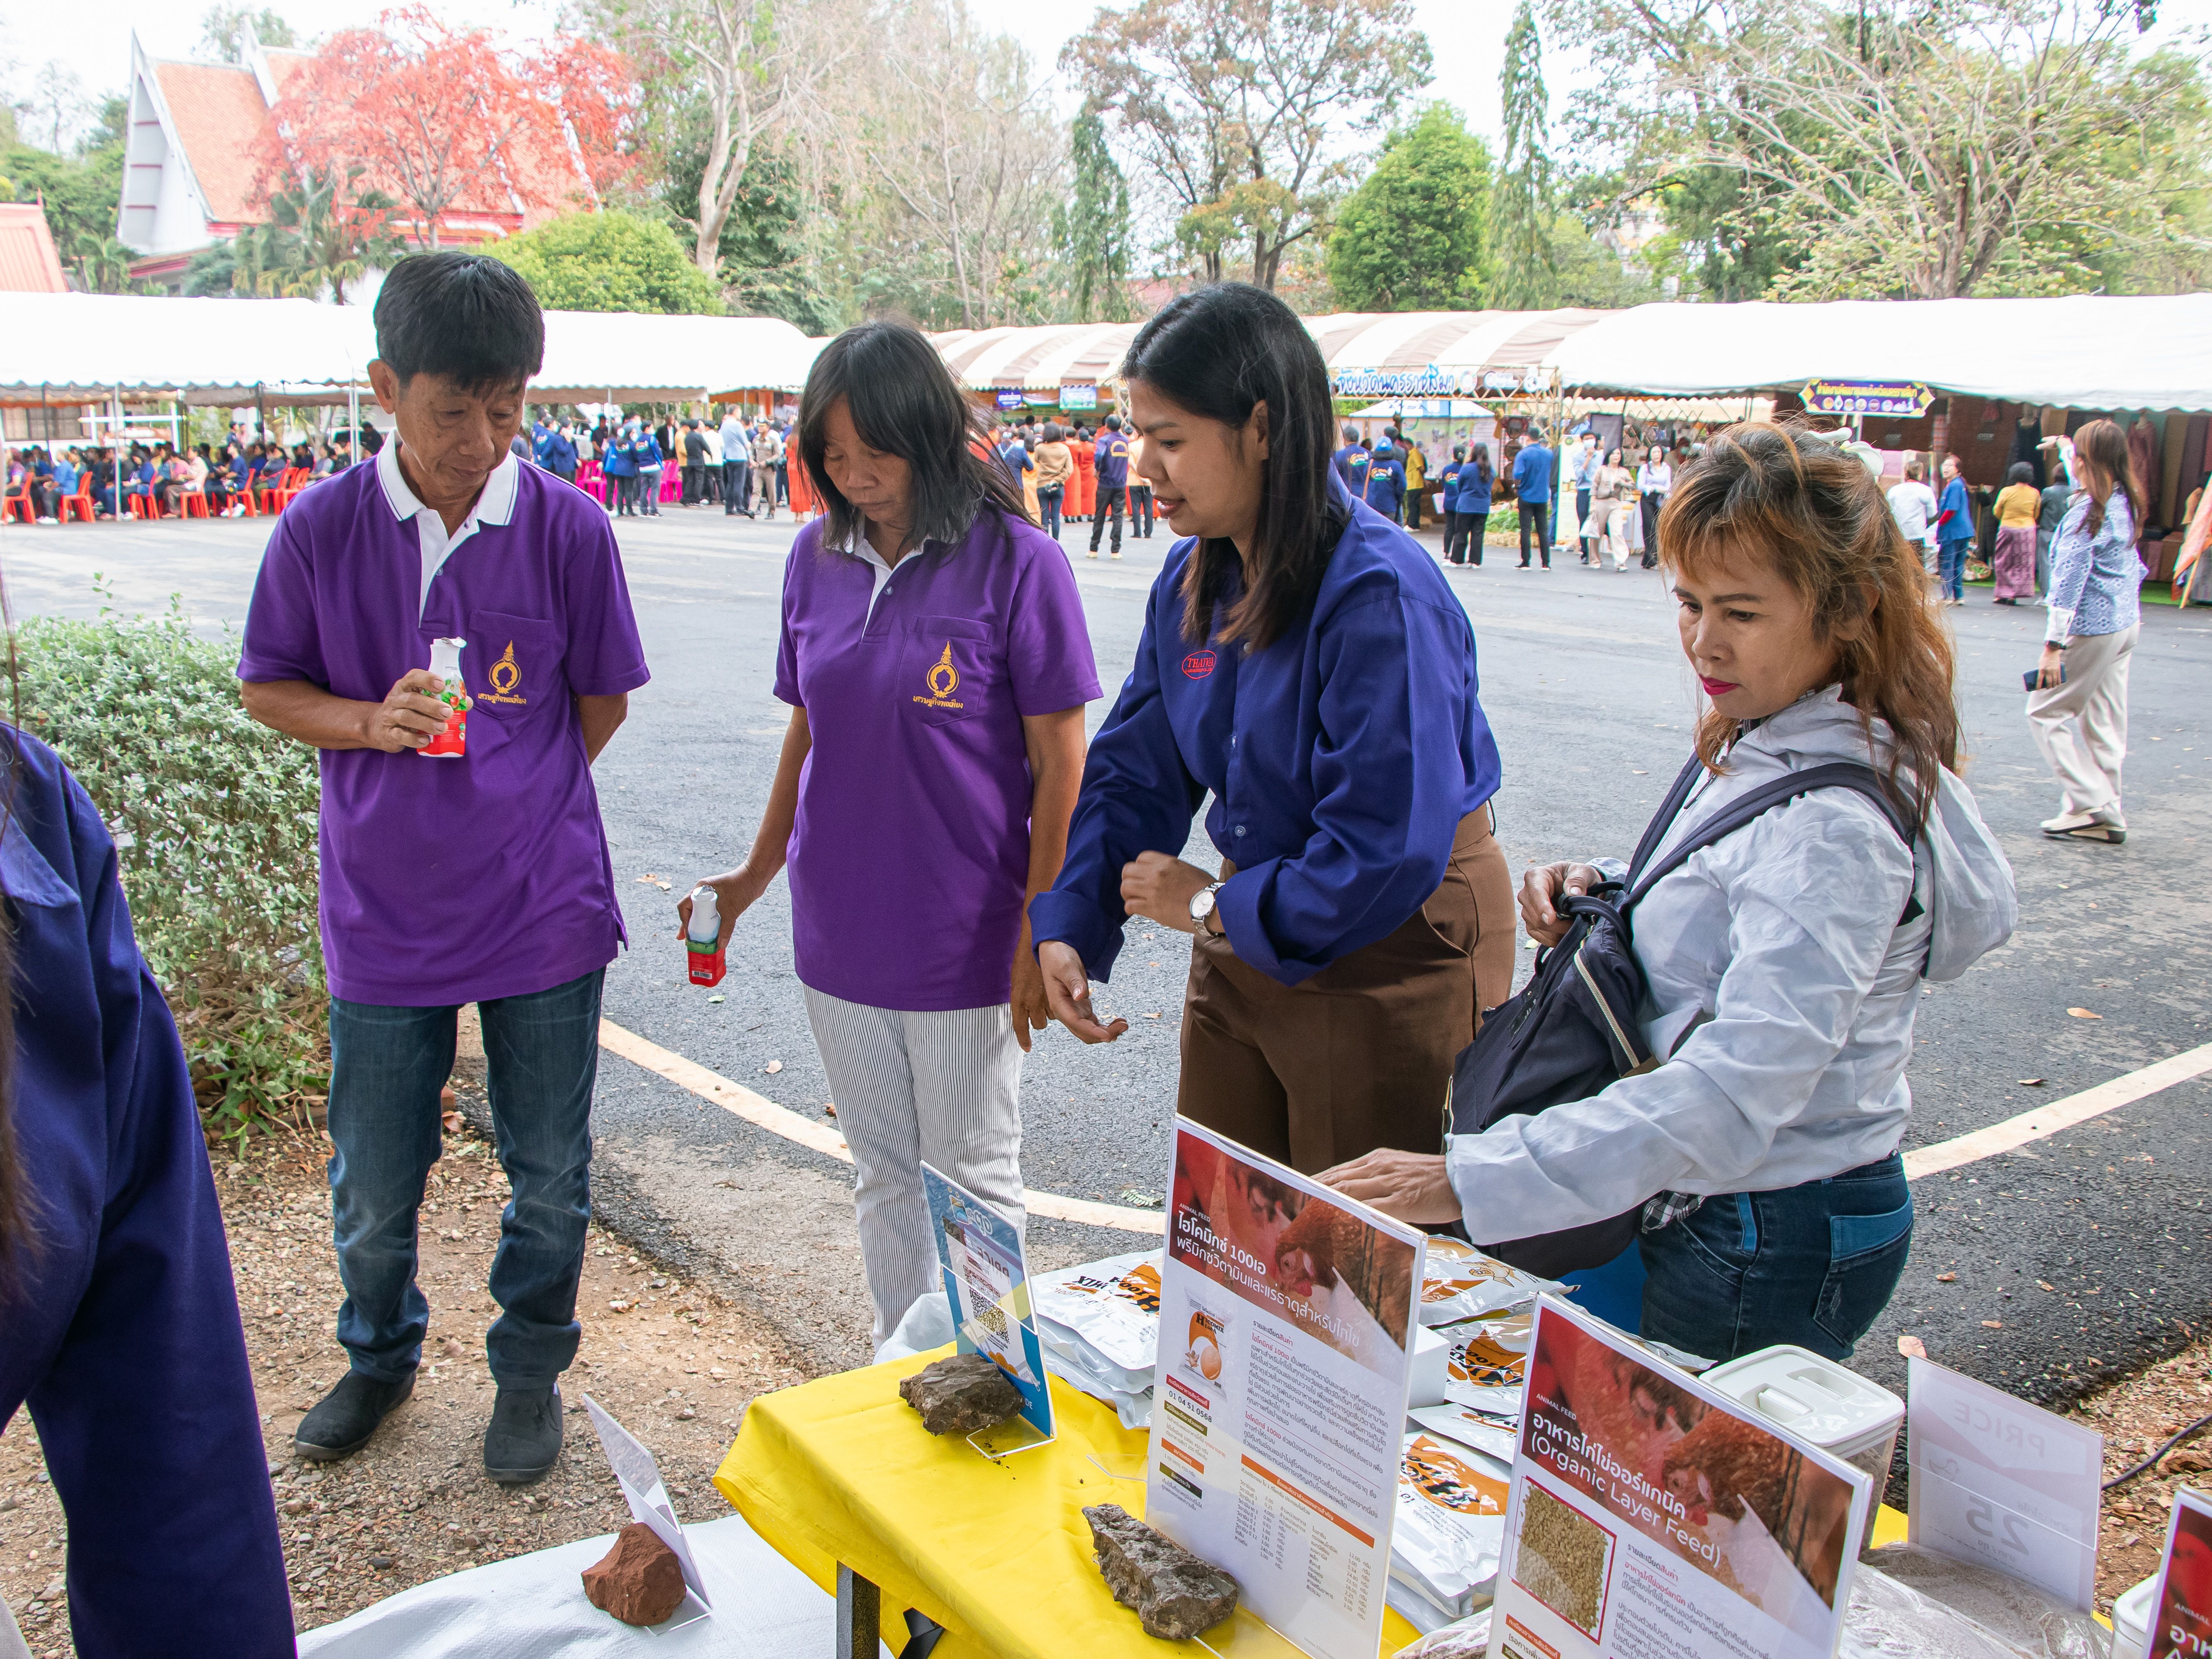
[(2100, 452), (1220, 352), (904, 402)]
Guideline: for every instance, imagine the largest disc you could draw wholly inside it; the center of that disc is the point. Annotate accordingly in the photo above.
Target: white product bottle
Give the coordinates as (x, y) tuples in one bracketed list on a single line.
[(699, 939), (445, 663)]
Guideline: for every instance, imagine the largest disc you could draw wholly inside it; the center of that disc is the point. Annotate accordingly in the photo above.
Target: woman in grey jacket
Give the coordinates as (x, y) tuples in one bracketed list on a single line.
[(1782, 964)]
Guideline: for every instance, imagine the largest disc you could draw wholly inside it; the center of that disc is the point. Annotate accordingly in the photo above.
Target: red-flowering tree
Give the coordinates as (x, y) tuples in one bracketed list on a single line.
[(439, 118), (595, 96)]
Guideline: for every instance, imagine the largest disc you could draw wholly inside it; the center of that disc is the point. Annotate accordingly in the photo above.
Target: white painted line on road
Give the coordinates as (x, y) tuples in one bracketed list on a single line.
[(764, 1114), (2059, 1114)]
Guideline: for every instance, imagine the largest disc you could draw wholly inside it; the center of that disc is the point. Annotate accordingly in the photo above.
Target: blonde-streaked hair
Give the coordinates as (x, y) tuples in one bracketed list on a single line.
[(1818, 517)]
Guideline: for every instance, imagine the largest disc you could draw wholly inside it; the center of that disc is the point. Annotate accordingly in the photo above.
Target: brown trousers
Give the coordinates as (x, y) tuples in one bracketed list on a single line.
[(1358, 1056)]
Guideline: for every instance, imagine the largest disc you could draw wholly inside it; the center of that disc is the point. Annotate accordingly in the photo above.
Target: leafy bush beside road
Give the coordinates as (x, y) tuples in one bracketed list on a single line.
[(213, 816)]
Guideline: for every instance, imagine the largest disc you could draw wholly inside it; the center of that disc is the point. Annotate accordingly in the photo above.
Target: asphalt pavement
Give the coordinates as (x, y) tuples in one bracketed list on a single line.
[(2043, 1270)]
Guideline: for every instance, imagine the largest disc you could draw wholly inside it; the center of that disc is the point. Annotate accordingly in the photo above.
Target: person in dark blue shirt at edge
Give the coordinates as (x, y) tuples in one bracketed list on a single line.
[(1351, 463), (1386, 482), (1111, 459), (1534, 482), (1304, 661), (121, 1327)]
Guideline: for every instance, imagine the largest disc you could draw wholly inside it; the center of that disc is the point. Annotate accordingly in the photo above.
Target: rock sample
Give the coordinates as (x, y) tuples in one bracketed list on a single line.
[(638, 1581), (1176, 1595), (961, 1394)]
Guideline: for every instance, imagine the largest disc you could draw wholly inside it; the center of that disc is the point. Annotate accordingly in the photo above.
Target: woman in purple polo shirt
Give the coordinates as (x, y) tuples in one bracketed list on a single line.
[(936, 661)]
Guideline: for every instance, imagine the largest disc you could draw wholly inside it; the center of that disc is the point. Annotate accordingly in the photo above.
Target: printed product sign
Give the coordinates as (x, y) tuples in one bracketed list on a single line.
[(1287, 1315), (1650, 1518), (1010, 400), (2181, 1610), (979, 1254), (2001, 1482), (1078, 397)]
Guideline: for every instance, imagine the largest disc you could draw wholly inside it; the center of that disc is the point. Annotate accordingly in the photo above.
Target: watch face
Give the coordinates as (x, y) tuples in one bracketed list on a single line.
[(1202, 904)]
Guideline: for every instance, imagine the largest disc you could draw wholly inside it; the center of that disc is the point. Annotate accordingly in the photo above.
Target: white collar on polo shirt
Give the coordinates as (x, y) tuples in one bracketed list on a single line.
[(494, 506), (860, 547)]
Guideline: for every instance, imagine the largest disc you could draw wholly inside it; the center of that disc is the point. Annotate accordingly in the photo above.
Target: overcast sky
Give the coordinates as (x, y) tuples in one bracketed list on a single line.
[(1466, 36)]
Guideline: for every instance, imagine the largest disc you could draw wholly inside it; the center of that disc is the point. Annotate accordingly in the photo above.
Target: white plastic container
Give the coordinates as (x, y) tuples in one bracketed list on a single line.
[(2131, 1621), (1429, 1352), (1821, 1403)]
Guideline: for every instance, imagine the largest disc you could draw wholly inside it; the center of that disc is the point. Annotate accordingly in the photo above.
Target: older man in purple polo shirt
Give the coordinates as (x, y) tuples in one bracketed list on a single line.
[(481, 877)]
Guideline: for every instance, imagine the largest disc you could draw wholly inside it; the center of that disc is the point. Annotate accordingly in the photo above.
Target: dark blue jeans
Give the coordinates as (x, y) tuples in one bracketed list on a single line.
[(1812, 1264), (1049, 502), (386, 1066), (1952, 559)]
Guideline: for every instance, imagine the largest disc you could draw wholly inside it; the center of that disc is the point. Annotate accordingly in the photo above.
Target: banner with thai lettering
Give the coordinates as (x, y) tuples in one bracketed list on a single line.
[(1287, 1315), (1651, 1518)]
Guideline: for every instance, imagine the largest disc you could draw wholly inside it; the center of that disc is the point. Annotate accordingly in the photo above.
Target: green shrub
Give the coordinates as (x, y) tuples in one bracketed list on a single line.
[(214, 817)]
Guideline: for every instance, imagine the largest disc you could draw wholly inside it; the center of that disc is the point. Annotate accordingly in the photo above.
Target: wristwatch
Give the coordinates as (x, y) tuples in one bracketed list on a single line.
[(1202, 904)]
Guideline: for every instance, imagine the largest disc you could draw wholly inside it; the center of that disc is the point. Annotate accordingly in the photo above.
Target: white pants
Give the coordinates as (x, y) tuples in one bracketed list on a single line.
[(943, 1088), (2082, 725)]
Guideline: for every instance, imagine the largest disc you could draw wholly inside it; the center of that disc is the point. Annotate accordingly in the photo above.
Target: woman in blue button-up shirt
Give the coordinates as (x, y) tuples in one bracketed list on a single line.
[(1305, 663)]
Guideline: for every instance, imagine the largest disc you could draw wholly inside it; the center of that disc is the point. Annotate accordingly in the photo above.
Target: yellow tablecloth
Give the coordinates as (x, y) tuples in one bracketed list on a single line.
[(840, 1470)]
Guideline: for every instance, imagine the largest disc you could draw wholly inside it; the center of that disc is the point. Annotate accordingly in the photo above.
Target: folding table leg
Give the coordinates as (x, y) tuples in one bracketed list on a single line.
[(859, 1608)]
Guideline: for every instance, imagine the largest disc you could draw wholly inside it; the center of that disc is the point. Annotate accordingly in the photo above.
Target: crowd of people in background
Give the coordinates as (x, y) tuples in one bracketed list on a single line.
[(81, 480)]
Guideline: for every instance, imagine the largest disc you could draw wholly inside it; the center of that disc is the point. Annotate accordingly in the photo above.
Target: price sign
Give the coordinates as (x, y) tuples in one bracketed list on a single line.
[(2002, 1484), (1900, 399)]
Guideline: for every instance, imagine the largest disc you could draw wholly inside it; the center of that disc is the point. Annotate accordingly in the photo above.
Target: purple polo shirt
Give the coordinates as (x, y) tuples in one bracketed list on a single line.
[(910, 854), (487, 875)]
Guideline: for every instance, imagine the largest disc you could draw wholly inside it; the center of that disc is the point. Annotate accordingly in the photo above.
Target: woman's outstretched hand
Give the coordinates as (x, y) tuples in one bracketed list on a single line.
[(735, 890), (1542, 887), (1411, 1186), (1068, 989)]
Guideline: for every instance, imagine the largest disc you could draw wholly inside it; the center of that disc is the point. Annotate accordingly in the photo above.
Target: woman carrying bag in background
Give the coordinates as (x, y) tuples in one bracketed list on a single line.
[(1757, 1164)]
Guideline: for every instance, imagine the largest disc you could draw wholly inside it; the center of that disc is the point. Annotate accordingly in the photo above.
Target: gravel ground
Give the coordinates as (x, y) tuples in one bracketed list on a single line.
[(674, 1365), (2135, 1418)]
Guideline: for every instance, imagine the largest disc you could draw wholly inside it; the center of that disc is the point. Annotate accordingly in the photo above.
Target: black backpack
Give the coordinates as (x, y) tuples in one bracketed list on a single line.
[(1571, 1030)]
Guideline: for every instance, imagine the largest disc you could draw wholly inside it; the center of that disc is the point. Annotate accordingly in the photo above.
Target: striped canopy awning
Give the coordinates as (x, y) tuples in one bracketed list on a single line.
[(1438, 353), (1036, 359)]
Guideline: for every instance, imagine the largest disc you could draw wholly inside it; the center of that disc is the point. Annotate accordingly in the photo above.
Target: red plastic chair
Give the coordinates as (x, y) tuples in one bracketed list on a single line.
[(19, 506), (78, 506), (145, 506), (192, 504)]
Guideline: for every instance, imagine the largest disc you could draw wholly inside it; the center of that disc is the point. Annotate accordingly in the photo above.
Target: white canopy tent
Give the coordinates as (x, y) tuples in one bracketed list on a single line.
[(2084, 351), (66, 349)]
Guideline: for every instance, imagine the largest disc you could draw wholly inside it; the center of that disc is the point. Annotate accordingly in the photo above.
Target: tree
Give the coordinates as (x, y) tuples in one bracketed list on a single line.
[(756, 69), (610, 261), (1411, 237), (1235, 108), (437, 117), (1921, 150), (1526, 272), (595, 97), (969, 151), (1092, 228), (222, 32), (80, 193)]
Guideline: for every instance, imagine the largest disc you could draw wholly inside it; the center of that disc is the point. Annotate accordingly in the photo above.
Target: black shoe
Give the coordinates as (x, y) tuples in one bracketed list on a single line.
[(342, 1419), (523, 1440)]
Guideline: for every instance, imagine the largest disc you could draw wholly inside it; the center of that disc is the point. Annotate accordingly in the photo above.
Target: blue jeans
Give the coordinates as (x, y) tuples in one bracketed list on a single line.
[(386, 1067), (1049, 502), (1812, 1264), (1953, 572)]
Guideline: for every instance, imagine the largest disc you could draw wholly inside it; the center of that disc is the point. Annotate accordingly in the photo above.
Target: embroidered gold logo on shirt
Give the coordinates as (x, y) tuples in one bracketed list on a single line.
[(944, 679), (506, 674)]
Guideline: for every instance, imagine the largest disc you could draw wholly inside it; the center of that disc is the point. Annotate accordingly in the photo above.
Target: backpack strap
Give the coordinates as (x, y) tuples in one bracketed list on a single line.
[(1838, 774), (1656, 829)]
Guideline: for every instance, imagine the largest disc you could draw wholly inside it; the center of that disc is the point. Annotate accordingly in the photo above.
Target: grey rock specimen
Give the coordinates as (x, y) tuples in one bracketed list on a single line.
[(961, 1394), (638, 1581), (1176, 1595)]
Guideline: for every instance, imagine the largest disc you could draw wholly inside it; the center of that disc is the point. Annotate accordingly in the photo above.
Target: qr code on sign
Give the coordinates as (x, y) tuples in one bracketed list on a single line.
[(1562, 1559)]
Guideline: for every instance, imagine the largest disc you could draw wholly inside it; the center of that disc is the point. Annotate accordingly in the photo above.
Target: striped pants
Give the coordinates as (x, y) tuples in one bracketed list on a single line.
[(941, 1088)]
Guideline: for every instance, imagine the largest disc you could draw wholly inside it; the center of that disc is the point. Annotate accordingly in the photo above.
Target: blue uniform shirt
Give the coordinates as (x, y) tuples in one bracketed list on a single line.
[(1960, 527), (1532, 473), (1111, 456), (1341, 759), (126, 1341), (1473, 489), (1386, 484), (1351, 467)]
